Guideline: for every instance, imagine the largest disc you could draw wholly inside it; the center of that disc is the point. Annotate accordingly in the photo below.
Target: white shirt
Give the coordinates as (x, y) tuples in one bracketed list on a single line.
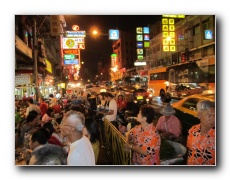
[(81, 153), (112, 106)]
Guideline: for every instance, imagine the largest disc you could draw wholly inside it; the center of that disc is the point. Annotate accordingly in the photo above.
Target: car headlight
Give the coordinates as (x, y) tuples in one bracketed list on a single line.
[(135, 101)]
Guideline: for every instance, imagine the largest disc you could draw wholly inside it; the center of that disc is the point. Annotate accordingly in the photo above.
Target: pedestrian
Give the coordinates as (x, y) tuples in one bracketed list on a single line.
[(80, 150), (143, 139), (201, 139), (91, 131), (111, 106), (168, 125)]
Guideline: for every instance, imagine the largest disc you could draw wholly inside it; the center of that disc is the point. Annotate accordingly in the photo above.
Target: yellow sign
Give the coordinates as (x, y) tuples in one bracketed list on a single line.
[(172, 42), (165, 27), (166, 48), (164, 21), (165, 42), (171, 21), (174, 16), (139, 30), (172, 48), (172, 35), (171, 27), (165, 34), (48, 66)]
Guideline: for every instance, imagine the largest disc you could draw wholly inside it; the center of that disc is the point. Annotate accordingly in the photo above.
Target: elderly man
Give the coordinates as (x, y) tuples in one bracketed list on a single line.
[(201, 137), (80, 151)]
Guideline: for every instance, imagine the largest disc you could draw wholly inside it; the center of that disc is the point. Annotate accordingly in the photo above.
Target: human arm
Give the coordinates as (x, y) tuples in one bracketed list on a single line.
[(130, 145)]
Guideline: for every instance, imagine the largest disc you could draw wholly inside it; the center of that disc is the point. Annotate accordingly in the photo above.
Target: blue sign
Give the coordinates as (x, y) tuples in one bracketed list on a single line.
[(146, 30), (140, 45), (208, 34), (73, 61), (113, 34)]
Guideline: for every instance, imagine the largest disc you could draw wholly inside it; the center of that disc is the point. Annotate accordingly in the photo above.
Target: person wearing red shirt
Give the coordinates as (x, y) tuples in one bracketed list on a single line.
[(43, 106), (121, 102)]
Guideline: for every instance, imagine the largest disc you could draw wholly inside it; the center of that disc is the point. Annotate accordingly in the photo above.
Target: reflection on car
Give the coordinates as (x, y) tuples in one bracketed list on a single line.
[(186, 109)]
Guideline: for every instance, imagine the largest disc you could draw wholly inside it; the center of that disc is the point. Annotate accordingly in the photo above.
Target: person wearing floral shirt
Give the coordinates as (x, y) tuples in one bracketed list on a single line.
[(201, 137), (144, 139)]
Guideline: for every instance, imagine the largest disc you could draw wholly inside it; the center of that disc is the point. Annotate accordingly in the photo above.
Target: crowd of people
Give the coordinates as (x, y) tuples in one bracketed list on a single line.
[(72, 132)]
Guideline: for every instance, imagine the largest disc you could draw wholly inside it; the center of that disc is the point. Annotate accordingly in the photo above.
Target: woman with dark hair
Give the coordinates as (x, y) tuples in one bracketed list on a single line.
[(144, 139), (91, 130)]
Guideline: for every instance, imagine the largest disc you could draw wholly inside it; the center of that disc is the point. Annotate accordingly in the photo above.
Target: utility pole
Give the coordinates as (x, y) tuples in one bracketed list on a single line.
[(35, 57)]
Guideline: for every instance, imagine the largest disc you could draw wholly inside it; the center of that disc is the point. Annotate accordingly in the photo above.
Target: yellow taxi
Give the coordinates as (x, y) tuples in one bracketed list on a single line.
[(186, 109)]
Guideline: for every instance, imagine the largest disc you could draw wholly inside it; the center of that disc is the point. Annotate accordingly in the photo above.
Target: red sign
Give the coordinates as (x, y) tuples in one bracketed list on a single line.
[(70, 51)]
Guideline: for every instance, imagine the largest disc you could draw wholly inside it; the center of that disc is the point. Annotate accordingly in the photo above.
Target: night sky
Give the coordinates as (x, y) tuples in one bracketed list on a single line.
[(100, 48)]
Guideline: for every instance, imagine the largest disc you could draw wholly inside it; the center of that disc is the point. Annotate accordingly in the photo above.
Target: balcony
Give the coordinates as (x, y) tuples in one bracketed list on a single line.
[(22, 47)]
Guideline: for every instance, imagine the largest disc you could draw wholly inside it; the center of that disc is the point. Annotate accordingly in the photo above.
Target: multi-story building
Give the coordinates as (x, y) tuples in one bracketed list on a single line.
[(194, 42), (125, 50), (47, 49), (190, 42)]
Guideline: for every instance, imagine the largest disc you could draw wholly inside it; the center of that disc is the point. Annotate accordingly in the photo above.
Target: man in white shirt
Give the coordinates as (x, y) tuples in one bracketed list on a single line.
[(111, 105), (80, 151)]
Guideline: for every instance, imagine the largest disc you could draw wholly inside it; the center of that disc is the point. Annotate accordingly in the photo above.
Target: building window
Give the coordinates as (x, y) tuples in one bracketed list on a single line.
[(196, 29)]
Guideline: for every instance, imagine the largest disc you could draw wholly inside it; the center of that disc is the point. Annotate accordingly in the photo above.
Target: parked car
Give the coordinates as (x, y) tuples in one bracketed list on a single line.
[(186, 110)]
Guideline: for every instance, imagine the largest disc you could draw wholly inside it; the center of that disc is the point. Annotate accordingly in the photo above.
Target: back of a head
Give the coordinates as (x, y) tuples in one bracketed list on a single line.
[(49, 127), (148, 112), (31, 117), (31, 101), (49, 154), (92, 128), (41, 135), (108, 94)]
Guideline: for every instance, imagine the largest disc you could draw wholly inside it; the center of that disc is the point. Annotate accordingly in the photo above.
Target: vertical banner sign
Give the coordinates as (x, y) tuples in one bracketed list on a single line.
[(168, 34), (143, 41), (113, 60)]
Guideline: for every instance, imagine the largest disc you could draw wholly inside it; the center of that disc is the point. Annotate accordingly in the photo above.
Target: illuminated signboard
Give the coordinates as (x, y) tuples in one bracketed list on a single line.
[(208, 34), (146, 30), (113, 34), (73, 61), (139, 44), (140, 51), (168, 33), (140, 63), (48, 66), (71, 51), (139, 30), (71, 56), (75, 34), (142, 38), (139, 37), (140, 57), (146, 44), (146, 37), (70, 43)]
